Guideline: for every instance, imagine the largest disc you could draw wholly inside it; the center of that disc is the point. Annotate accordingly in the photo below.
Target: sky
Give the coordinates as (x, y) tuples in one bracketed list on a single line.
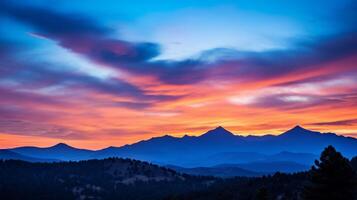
[(101, 73)]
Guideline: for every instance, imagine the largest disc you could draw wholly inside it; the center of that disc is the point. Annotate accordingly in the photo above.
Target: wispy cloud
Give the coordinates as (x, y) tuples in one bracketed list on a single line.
[(347, 122), (220, 86)]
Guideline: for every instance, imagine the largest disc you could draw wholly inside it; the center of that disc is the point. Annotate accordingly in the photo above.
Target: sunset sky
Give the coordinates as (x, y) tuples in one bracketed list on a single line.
[(106, 73)]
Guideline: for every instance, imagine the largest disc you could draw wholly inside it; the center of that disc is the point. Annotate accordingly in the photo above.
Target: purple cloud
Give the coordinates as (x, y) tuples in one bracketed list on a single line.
[(347, 122), (29, 128), (92, 40)]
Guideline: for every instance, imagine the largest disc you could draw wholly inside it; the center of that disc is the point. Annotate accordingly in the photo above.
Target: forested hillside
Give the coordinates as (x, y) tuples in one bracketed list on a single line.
[(332, 177), (111, 178)]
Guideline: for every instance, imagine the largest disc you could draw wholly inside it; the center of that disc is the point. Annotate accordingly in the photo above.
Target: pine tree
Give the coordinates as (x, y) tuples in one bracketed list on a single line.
[(332, 178), (354, 163)]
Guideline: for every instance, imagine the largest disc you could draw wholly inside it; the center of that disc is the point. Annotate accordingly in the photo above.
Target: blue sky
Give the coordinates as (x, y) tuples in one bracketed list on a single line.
[(144, 68), (185, 28)]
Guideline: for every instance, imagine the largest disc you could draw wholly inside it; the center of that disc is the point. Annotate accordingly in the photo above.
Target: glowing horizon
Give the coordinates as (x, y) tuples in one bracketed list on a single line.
[(102, 74), (56, 142)]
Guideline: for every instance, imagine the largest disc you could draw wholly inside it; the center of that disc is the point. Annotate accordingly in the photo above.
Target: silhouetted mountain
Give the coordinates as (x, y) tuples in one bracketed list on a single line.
[(301, 140), (218, 133), (300, 145), (59, 151), (247, 157), (172, 150), (302, 158), (9, 155), (215, 147), (231, 157), (269, 167), (298, 132), (219, 171), (251, 169)]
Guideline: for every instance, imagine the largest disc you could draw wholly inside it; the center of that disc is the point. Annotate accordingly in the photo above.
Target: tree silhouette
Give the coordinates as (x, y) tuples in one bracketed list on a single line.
[(332, 178), (262, 194), (354, 163)]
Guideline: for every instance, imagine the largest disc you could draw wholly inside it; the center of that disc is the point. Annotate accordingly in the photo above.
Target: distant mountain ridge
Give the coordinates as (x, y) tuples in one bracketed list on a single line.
[(60, 151), (219, 171), (215, 147), (10, 155), (252, 169), (186, 151)]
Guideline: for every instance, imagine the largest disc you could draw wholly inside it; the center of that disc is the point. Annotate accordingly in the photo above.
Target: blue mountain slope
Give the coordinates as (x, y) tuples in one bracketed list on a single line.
[(269, 167), (212, 147), (302, 140), (168, 148), (302, 158), (217, 146), (231, 157), (247, 157), (225, 172), (9, 155), (59, 151), (257, 168)]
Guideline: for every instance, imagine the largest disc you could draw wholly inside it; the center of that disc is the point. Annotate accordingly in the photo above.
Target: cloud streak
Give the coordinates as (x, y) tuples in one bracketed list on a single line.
[(92, 40), (221, 86), (347, 122)]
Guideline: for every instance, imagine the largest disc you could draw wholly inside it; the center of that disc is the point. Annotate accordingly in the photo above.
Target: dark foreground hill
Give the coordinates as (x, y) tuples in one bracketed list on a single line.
[(126, 179), (111, 178)]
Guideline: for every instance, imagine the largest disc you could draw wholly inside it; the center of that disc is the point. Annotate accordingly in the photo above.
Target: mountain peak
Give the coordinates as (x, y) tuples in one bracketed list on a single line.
[(298, 131), (218, 132), (298, 127), (61, 145), (220, 128)]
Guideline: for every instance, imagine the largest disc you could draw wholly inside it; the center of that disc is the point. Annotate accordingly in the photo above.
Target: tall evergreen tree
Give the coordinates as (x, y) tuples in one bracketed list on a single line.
[(332, 178), (354, 163)]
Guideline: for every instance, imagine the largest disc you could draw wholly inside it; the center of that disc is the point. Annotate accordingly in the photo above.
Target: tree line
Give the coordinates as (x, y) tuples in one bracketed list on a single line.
[(333, 177)]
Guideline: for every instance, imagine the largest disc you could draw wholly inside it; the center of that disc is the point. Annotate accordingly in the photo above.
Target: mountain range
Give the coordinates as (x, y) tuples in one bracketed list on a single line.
[(293, 150)]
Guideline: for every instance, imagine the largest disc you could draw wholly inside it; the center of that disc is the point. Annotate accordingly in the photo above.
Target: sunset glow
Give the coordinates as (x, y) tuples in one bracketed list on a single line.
[(96, 76)]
